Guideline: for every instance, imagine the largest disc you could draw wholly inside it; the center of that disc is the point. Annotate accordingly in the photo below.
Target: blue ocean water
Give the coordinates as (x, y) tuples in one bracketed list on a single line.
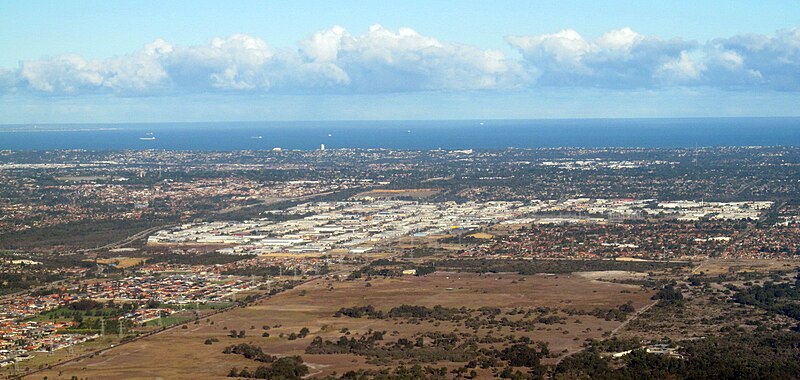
[(461, 134)]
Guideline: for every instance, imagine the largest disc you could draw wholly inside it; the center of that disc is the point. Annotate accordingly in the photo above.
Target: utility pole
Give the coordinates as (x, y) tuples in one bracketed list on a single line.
[(102, 326), (119, 323)]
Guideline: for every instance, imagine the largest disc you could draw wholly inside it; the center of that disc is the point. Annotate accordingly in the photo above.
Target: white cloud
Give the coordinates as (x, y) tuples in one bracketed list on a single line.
[(323, 46), (624, 58), (404, 60), (380, 60), (233, 63), (682, 69), (66, 73), (142, 71), (620, 40), (383, 60), (565, 48), (236, 63), (618, 58), (757, 60)]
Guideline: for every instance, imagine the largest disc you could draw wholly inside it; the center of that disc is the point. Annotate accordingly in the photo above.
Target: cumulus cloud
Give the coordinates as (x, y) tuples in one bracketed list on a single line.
[(403, 60), (330, 60), (236, 63), (66, 73), (70, 73), (751, 59), (619, 58), (624, 58), (681, 70)]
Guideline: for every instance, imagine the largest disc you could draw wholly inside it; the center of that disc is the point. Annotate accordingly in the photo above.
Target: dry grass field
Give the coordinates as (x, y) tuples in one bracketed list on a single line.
[(723, 266), (181, 353), (123, 262), (481, 235), (707, 309)]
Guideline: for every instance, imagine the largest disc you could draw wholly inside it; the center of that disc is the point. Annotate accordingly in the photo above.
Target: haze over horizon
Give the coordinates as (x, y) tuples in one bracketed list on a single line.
[(97, 62)]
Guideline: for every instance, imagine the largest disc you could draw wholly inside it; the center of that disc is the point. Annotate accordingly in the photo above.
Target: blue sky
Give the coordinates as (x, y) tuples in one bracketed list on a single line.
[(121, 61)]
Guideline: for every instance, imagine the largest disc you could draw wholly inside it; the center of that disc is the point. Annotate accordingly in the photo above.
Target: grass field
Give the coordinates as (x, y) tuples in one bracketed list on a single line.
[(168, 321), (182, 354), (66, 314), (722, 266), (123, 262)]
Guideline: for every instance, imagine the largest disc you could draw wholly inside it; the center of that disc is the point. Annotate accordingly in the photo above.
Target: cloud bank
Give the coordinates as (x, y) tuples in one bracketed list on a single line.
[(388, 61)]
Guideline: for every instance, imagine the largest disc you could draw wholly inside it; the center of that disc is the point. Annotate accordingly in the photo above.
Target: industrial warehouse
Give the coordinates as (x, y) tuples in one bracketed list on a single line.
[(358, 226)]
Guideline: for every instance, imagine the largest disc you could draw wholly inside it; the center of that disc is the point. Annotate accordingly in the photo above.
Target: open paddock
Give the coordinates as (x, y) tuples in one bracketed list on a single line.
[(181, 353)]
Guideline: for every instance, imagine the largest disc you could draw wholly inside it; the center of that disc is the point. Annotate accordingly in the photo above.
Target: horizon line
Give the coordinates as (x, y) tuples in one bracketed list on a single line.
[(405, 120)]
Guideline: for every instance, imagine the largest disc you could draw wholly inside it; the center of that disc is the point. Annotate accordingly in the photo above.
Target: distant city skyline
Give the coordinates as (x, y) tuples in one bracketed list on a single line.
[(96, 62)]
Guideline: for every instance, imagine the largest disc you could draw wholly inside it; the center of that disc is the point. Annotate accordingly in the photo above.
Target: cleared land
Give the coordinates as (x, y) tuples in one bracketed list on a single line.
[(123, 262), (723, 266), (182, 354)]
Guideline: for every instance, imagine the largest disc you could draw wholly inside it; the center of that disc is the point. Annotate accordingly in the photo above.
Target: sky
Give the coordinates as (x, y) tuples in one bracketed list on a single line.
[(158, 61)]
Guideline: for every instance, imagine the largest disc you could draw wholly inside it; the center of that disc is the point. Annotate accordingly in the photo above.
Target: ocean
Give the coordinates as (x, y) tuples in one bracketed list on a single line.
[(412, 135)]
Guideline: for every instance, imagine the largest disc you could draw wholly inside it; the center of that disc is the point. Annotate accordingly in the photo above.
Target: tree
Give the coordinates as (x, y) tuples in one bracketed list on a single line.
[(303, 332)]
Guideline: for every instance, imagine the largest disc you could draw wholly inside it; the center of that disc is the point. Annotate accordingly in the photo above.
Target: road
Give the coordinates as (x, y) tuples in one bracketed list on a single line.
[(614, 332), (152, 333), (127, 240), (633, 317), (344, 272)]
